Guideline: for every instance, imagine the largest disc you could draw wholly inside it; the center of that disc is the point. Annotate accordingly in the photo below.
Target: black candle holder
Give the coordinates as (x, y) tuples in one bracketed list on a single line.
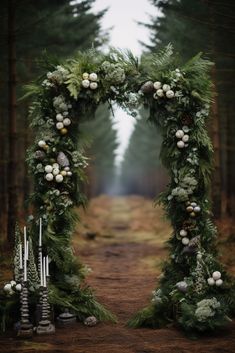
[(26, 328), (45, 325)]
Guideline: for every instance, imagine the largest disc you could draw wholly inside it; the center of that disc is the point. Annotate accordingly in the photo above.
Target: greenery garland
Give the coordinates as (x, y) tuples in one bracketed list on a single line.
[(194, 289)]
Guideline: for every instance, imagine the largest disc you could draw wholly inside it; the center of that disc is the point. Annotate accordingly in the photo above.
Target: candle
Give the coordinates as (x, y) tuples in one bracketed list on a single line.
[(25, 255), (41, 273), (21, 258), (44, 272), (25, 241), (40, 232), (27, 250), (47, 266), (25, 269)]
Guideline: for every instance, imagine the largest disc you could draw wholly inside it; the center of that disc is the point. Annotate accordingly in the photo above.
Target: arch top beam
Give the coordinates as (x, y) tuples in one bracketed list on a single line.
[(194, 288)]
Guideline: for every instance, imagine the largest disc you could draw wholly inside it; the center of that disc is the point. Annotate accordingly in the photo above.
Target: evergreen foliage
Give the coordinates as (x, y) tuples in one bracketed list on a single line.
[(180, 107)]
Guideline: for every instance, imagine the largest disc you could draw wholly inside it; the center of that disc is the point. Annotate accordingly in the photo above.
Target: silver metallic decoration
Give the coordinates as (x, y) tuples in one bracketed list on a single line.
[(62, 160)]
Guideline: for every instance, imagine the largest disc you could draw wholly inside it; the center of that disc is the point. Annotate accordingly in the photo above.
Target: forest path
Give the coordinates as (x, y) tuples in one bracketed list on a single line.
[(122, 240)]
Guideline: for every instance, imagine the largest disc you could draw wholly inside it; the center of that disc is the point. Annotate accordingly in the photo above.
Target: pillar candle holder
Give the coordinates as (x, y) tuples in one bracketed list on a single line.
[(26, 328), (45, 326)]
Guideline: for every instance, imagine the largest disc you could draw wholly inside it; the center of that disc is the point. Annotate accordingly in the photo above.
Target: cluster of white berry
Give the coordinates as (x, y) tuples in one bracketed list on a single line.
[(215, 279), (12, 287), (62, 123), (183, 234), (53, 172), (162, 90), (183, 137), (90, 80)]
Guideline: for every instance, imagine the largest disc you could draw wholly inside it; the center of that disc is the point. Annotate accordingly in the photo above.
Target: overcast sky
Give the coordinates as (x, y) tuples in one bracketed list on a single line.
[(126, 33)]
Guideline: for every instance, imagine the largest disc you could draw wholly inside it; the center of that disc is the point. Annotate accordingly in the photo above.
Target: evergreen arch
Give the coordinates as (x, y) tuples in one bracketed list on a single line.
[(194, 289)]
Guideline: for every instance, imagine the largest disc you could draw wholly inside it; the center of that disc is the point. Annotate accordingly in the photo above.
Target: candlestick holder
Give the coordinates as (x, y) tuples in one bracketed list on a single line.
[(45, 326), (26, 328)]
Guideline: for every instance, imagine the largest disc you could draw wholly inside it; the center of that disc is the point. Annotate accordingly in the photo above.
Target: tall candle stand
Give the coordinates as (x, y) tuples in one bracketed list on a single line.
[(26, 328), (45, 326)]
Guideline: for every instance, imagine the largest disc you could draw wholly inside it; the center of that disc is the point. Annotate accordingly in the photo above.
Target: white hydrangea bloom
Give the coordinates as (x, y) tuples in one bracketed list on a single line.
[(206, 308)]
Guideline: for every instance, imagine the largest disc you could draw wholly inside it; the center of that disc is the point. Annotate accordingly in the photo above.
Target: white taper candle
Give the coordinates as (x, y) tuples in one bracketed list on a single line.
[(21, 257), (25, 255), (41, 270), (47, 266), (44, 272), (27, 250), (40, 232), (25, 241)]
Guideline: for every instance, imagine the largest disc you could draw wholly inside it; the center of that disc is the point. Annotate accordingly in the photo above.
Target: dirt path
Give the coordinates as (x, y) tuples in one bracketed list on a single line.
[(122, 241)]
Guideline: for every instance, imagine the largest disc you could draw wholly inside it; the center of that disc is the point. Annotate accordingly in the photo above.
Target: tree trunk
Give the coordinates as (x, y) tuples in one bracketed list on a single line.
[(12, 133)]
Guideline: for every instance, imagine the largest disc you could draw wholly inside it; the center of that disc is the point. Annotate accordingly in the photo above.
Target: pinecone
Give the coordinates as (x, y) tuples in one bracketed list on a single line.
[(186, 119)]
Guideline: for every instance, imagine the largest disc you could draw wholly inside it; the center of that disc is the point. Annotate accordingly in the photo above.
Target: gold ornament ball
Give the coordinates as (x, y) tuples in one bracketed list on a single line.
[(189, 209), (64, 173), (192, 214), (46, 147), (63, 131)]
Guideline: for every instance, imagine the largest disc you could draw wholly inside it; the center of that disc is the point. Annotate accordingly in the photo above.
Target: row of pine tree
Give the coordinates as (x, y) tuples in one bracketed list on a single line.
[(28, 30), (61, 27), (193, 26)]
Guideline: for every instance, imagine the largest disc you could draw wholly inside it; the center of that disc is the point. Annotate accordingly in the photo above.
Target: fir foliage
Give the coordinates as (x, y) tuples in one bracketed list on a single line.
[(119, 77)]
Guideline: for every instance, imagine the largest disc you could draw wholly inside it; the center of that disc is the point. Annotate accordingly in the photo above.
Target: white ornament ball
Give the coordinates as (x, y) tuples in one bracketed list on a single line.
[(219, 282), (67, 122), (56, 171), (166, 87), (193, 204), (85, 76), (211, 281), (69, 173), (216, 275), (59, 126), (183, 233), (93, 85), (66, 168), (55, 165), (160, 93), (59, 178), (185, 138), (197, 209), (48, 169), (7, 287), (157, 85), (85, 83), (170, 94), (18, 287), (13, 283), (185, 241), (199, 256), (49, 177), (180, 144), (179, 134), (59, 117), (65, 113), (93, 77), (41, 143)]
